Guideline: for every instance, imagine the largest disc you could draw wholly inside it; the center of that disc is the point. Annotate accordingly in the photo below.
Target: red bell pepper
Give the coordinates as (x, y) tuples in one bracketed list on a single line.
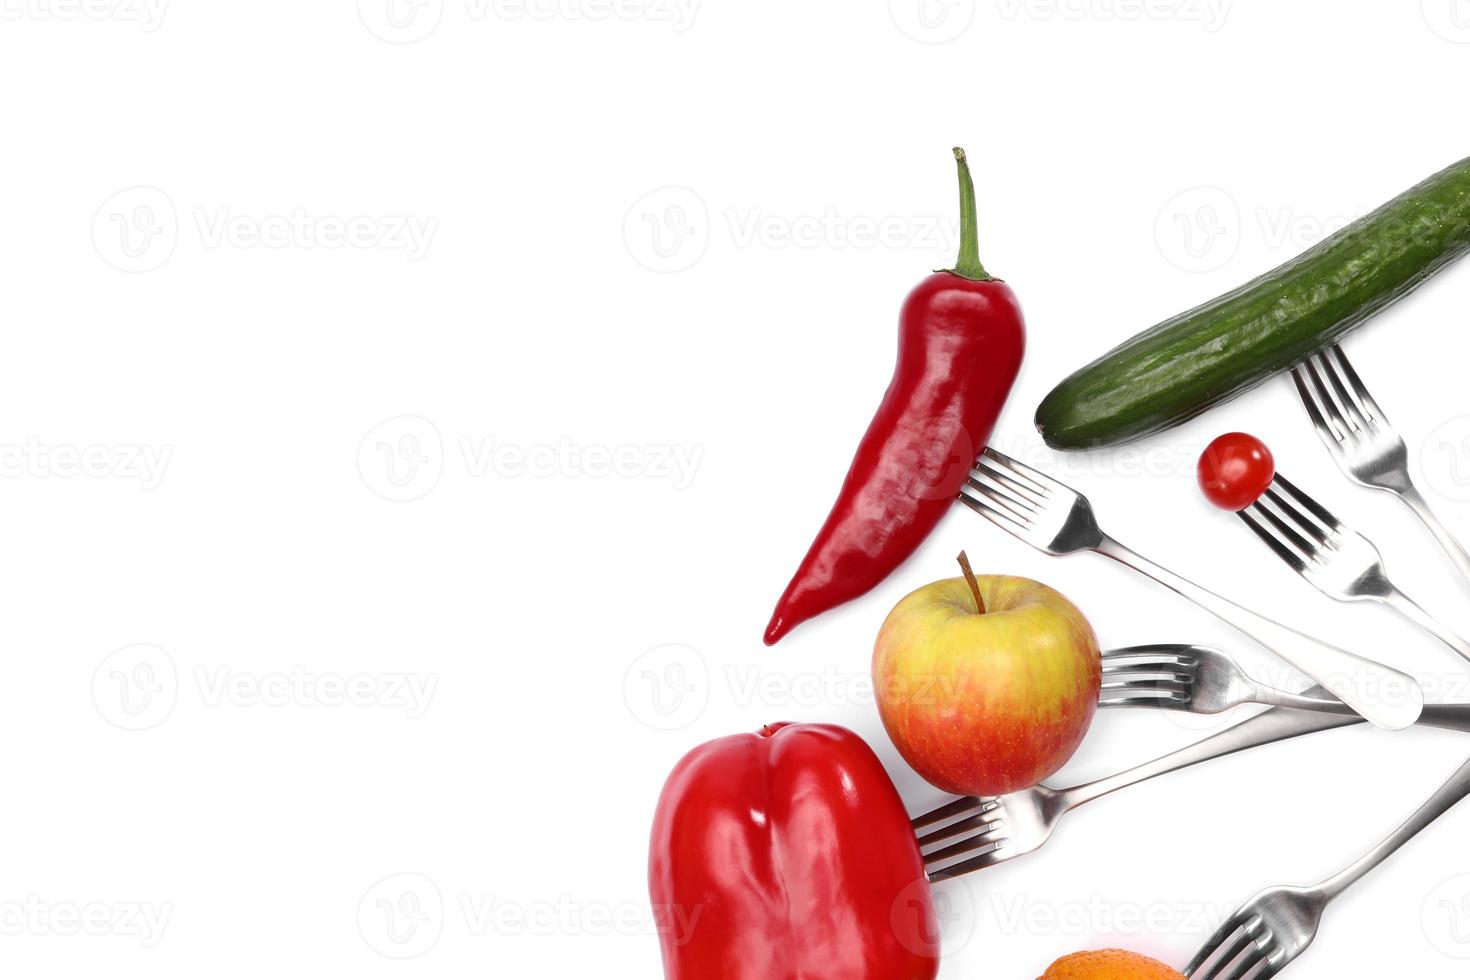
[(961, 339), (787, 855)]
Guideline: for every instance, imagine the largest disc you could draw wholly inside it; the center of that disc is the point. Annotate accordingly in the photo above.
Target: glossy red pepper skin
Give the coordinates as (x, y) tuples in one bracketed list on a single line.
[(787, 855), (960, 347)]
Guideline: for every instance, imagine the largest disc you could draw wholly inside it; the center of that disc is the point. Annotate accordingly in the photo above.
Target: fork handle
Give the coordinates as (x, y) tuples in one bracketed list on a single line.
[(1275, 725), (1448, 795), (1447, 541), (1421, 617), (1450, 717), (1386, 697)]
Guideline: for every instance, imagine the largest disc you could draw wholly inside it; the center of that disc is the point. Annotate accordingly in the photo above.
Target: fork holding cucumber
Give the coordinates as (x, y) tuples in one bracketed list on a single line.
[(1188, 364)]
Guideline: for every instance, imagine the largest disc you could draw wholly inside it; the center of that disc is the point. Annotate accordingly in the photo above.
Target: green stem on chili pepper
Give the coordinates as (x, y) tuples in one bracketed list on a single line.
[(968, 266)]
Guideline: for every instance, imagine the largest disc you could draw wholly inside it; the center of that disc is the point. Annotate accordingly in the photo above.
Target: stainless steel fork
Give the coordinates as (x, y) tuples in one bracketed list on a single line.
[(1205, 681), (1277, 926), (997, 829), (1191, 678), (1056, 519), (1339, 561), (1362, 440)]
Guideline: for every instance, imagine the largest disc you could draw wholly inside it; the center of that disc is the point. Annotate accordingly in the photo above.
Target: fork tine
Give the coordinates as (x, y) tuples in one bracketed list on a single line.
[(1143, 672), (1345, 398), (1145, 662), (984, 822), (1341, 429), (1019, 510), (1284, 551), (1324, 428), (955, 808), (1230, 929), (1259, 939), (1170, 687), (990, 471), (1286, 509), (1136, 675), (1043, 483), (980, 505), (993, 834), (1292, 523), (1345, 367), (1160, 700), (1339, 391), (1243, 969), (1318, 511), (987, 860), (1274, 965), (1155, 654)]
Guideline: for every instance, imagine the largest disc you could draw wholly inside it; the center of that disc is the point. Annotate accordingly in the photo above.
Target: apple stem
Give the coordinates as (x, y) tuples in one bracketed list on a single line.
[(964, 561)]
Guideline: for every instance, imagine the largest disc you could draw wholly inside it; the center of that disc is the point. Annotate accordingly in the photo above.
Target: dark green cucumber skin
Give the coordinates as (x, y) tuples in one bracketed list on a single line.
[(1187, 365)]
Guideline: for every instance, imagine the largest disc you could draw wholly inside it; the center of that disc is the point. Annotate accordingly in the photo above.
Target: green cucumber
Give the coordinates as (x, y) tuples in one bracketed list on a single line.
[(1197, 360)]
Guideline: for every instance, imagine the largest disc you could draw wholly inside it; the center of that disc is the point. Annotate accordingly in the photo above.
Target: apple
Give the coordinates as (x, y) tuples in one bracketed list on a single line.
[(986, 684)]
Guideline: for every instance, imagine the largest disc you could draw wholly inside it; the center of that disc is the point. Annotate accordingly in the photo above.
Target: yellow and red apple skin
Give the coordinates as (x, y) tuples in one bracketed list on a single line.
[(981, 705)]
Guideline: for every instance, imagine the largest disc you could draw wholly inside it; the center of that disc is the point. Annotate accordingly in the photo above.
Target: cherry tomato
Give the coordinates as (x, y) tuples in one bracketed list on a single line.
[(1235, 470)]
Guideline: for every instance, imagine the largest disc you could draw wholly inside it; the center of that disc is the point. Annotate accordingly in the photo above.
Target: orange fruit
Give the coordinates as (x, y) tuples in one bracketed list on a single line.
[(1110, 964)]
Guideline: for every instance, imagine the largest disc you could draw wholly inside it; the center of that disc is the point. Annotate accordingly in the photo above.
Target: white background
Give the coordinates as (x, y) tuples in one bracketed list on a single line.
[(325, 330)]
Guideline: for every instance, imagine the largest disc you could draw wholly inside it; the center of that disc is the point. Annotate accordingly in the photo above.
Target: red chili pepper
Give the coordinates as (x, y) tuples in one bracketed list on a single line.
[(787, 854), (961, 339)]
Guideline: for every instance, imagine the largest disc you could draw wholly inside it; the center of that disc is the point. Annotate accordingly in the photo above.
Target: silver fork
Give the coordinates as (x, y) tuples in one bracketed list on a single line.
[(998, 829), (1058, 520), (1277, 926), (1363, 441), (1206, 681), (1339, 561)]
